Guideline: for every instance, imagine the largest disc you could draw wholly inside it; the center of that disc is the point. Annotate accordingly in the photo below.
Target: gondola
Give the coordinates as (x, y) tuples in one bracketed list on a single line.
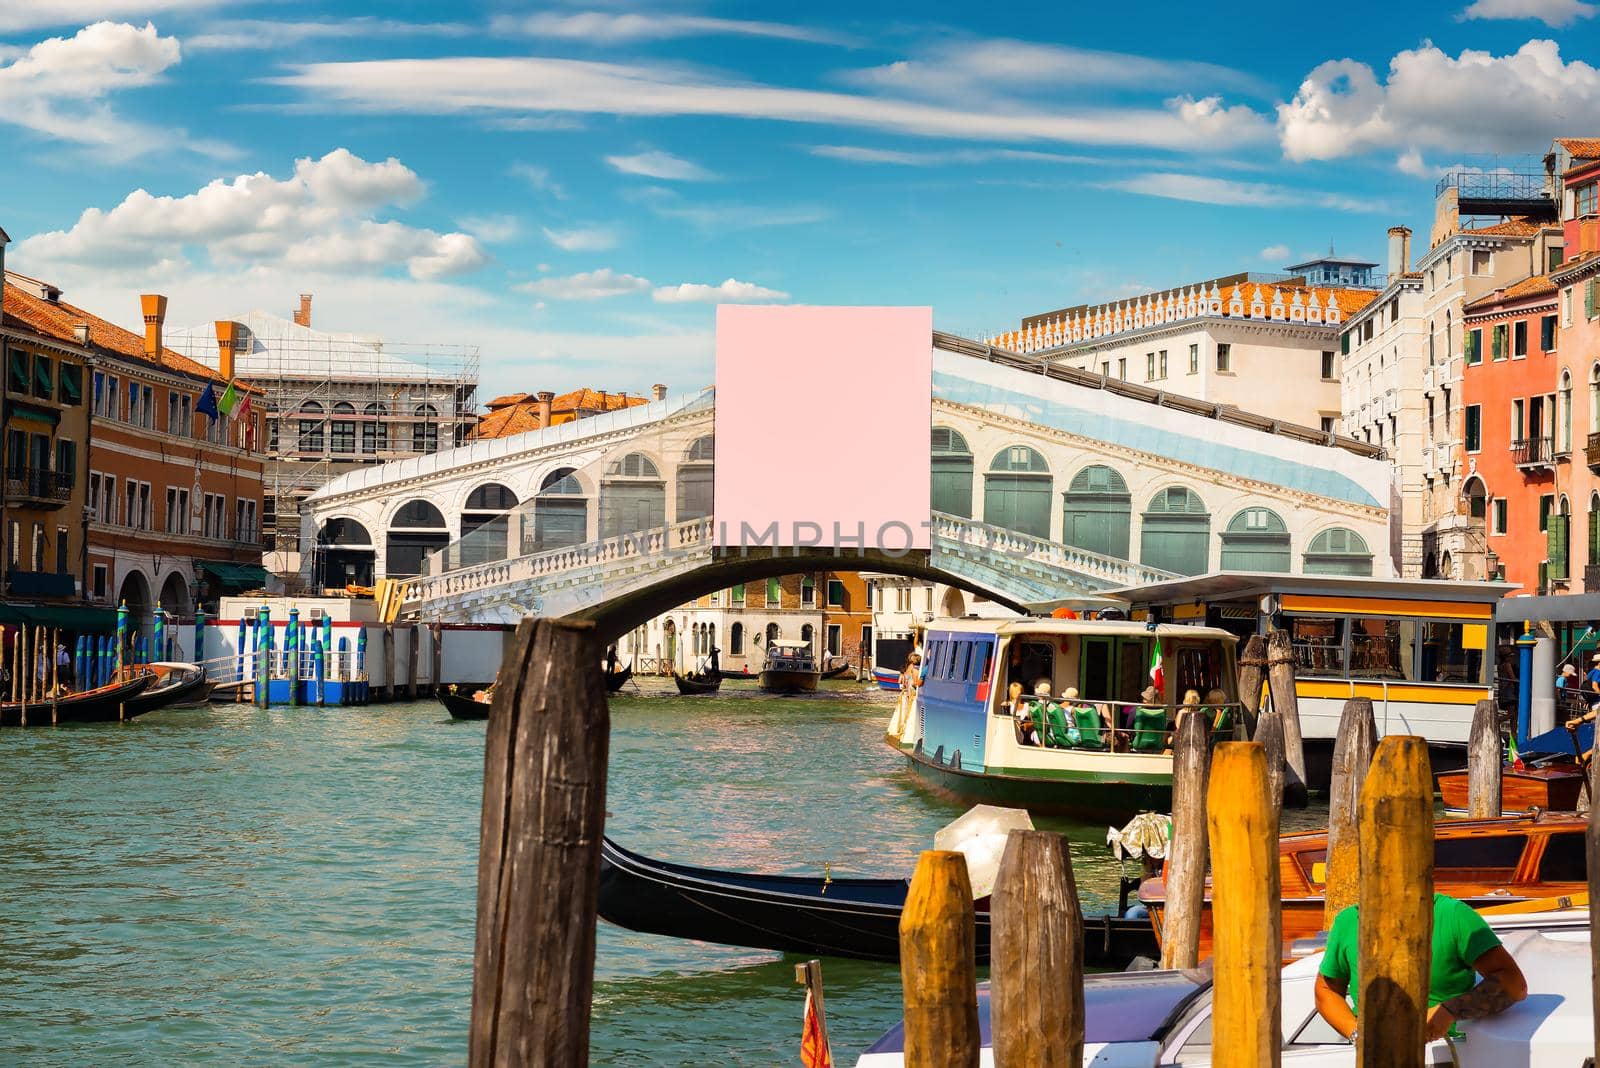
[(707, 679), (104, 704), (838, 669), (175, 684), (459, 702), (615, 680), (858, 918)]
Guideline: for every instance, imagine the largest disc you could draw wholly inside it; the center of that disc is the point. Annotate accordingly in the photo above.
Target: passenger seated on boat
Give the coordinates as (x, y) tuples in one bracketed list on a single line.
[(1092, 724), (1059, 731), (1021, 710), (1221, 716), (1150, 724), (1190, 705)]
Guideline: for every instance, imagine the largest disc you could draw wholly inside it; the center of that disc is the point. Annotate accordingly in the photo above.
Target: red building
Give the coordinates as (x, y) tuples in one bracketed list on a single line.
[(1517, 413), (1575, 165)]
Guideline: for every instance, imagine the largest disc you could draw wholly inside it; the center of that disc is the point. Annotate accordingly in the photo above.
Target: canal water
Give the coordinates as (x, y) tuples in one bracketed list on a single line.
[(293, 886)]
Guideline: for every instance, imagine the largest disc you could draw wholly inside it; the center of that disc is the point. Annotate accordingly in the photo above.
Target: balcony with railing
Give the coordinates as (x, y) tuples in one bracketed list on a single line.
[(1591, 452), (1591, 578), (38, 486), (1533, 453), (1500, 192)]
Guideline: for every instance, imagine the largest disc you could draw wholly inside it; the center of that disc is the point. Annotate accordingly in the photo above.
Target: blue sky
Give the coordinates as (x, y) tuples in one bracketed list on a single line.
[(572, 187)]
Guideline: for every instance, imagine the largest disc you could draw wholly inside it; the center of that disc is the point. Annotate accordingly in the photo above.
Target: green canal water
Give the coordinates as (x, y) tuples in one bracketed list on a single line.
[(295, 886)]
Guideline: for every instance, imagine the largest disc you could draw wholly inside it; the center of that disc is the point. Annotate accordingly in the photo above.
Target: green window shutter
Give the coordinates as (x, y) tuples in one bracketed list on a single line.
[(19, 371), (1555, 535), (738, 594), (1474, 340), (774, 591), (1594, 537), (1497, 343), (1588, 299)]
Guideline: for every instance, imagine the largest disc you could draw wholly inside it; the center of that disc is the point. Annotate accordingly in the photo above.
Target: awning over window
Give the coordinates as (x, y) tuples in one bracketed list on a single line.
[(41, 417), (80, 618), (235, 578)]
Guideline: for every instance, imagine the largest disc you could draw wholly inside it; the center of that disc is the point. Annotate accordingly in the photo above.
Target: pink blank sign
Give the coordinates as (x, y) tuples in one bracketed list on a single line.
[(822, 426)]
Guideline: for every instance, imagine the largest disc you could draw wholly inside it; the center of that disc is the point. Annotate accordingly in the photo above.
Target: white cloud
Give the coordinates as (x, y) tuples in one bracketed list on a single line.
[(60, 88), (527, 85), (731, 291), (911, 158), (235, 34), (1475, 102), (1553, 13), (491, 228), (669, 204), (657, 164), (1411, 162), (582, 239), (538, 176), (1275, 253), (1203, 189), (587, 285), (45, 14), (318, 218), (607, 27)]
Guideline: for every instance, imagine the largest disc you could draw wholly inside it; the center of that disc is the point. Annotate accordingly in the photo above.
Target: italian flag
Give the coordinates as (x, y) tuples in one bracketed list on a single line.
[(1158, 678)]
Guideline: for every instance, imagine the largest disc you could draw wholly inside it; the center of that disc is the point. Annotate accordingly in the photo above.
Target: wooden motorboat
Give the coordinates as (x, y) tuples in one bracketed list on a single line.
[(845, 917), (1482, 862), (103, 704), (1552, 787), (174, 684), (791, 667), (459, 701)]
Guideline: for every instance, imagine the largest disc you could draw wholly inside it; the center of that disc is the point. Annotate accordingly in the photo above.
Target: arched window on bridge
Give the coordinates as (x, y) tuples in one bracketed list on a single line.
[(374, 431), (694, 480), (736, 640), (416, 530), (560, 514), (424, 429), (1177, 531), (345, 554), (1096, 512), (1256, 540), (632, 496), (952, 473), (485, 523), (1016, 492), (1338, 551)]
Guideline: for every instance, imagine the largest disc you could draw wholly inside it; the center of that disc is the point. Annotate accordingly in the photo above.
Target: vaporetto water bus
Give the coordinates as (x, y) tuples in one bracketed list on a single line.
[(1102, 745)]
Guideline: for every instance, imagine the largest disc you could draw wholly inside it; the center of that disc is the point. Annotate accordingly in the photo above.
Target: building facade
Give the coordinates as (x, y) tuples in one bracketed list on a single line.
[(1575, 163), (740, 622)]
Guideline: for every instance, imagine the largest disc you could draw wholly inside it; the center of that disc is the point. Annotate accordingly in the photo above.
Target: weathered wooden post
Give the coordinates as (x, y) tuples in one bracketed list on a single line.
[(436, 661), (1186, 858), (1269, 732), (389, 687), (413, 654), (1252, 666), (1352, 754), (1396, 904), (1484, 763), (1247, 927), (544, 789), (938, 965), (1280, 679), (1036, 955)]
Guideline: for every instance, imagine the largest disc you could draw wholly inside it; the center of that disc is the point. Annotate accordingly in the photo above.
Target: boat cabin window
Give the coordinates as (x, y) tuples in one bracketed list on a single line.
[(1453, 652), (1318, 644), (1383, 649), (1394, 650), (1564, 860), (1030, 662), (961, 661), (1199, 668), (1478, 857), (981, 662), (1317, 1032)]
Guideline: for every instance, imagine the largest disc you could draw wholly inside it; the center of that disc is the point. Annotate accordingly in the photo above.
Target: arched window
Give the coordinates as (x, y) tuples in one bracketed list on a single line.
[(416, 531), (1558, 538), (1176, 532), (1339, 551), (774, 632), (424, 429), (374, 431), (694, 479), (345, 554), (806, 633), (1016, 492), (1594, 534), (1564, 414), (485, 524), (736, 640), (1096, 512), (312, 420), (952, 473), (1256, 540), (560, 514), (343, 438), (1594, 398), (633, 496)]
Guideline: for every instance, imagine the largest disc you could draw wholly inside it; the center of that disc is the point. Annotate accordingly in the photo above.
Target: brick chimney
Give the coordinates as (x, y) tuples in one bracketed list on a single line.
[(303, 316), (155, 315), (227, 339), (659, 391), (546, 399)]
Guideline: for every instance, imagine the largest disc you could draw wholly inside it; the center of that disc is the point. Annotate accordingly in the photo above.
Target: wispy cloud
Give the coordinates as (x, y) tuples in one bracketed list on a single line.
[(663, 165), (1202, 189), (609, 27), (494, 229), (911, 158), (1553, 13), (538, 176), (241, 34), (668, 204), (528, 85), (48, 14), (731, 291), (582, 239), (1275, 253), (587, 285)]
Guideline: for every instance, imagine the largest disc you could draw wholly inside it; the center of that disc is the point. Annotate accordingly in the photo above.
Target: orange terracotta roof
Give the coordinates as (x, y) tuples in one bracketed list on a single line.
[(509, 398), (517, 416), (1539, 285), (1509, 228), (58, 320), (1581, 147)]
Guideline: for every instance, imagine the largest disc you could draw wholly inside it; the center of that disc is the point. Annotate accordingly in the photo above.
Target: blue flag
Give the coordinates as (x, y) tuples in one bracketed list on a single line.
[(207, 404)]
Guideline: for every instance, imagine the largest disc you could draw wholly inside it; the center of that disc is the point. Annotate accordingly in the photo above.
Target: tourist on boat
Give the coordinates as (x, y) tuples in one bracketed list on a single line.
[(1591, 682), (1221, 715), (1463, 946), (1150, 726), (1191, 705), (1022, 711)]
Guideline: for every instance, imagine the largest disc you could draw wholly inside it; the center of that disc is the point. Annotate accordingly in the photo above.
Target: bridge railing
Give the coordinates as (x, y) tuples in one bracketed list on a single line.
[(658, 541), (1000, 541)]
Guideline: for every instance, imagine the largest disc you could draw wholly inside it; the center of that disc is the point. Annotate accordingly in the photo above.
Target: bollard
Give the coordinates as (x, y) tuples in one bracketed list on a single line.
[(413, 653), (1252, 666), (1280, 679), (364, 685), (122, 637), (263, 656), (1036, 955), (544, 788), (389, 689), (238, 691), (1396, 904), (1269, 732), (159, 643), (436, 654), (1186, 858), (318, 670), (1352, 753), (1484, 763), (200, 639), (1246, 924), (938, 965), (346, 673), (291, 653)]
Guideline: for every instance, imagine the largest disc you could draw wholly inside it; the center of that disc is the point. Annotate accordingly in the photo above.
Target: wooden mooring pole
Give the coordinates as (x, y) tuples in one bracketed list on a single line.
[(1247, 927), (1269, 732), (1352, 754), (1252, 670), (1396, 929), (1186, 859), (544, 789), (1280, 679), (938, 965), (1484, 763), (1036, 955), (413, 654)]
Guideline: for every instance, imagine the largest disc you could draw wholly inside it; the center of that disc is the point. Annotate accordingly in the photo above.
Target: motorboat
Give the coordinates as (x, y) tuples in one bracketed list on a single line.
[(1552, 785), (791, 667)]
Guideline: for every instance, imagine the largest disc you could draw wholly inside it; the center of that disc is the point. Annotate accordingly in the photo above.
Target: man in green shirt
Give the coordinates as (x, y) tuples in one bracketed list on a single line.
[(1463, 948)]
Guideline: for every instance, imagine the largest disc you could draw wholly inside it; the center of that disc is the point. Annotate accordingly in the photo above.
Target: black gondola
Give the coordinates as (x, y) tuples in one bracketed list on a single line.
[(838, 669), (174, 684), (460, 703), (858, 918), (616, 679), (104, 704), (708, 679)]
